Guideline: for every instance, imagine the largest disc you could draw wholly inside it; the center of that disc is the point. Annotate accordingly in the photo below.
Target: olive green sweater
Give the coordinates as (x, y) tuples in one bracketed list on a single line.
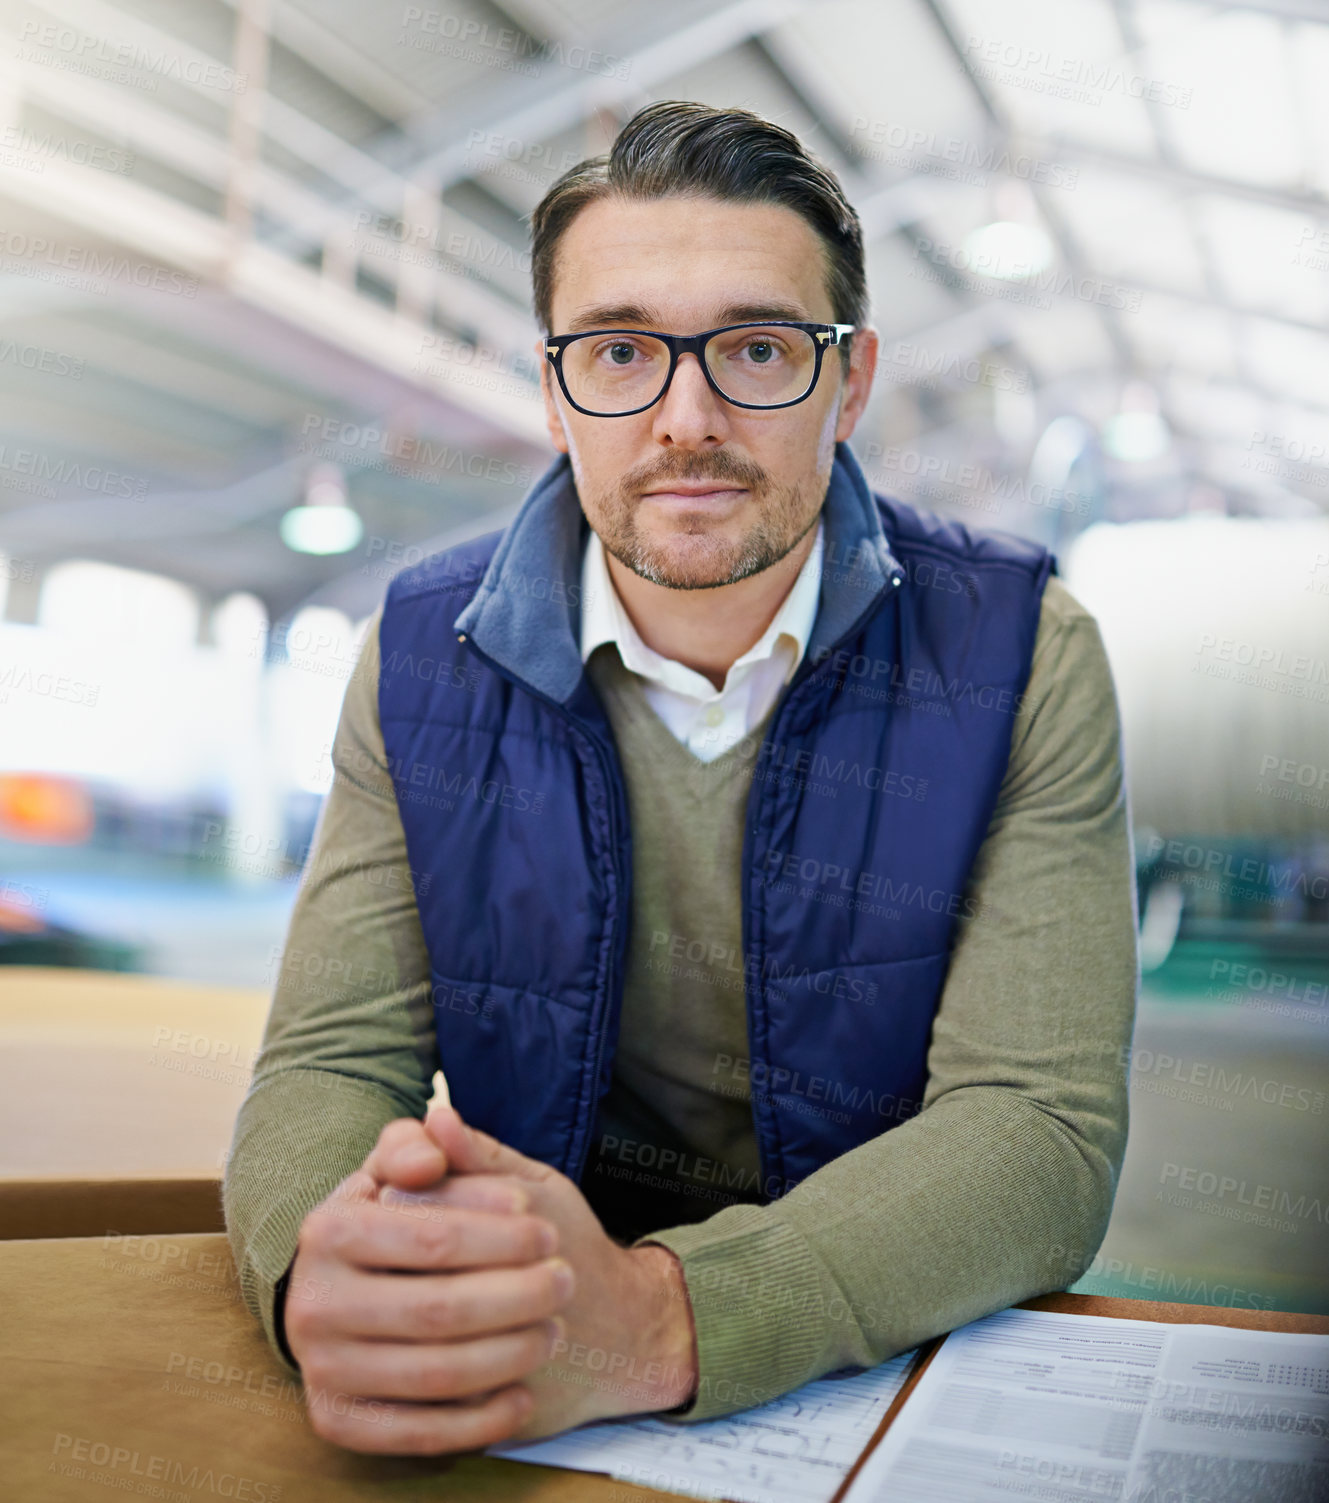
[(999, 1189)]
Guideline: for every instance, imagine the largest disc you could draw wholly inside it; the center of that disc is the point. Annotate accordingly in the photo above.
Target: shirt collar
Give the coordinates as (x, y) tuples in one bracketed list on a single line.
[(603, 618)]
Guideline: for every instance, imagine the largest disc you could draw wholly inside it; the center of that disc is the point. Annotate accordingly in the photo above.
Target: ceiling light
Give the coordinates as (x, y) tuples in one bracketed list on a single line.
[(1139, 432), (326, 523), (1007, 250), (321, 529)]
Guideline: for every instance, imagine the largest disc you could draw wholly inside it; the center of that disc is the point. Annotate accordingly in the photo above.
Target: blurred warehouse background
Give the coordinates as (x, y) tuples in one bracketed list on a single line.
[(265, 338)]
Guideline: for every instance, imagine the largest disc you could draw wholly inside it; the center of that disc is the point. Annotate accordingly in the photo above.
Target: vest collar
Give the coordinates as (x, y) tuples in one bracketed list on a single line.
[(525, 613)]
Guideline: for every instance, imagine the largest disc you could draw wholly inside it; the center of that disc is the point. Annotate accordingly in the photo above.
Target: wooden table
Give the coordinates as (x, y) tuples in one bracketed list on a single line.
[(118, 1097), (118, 1094), (134, 1352)]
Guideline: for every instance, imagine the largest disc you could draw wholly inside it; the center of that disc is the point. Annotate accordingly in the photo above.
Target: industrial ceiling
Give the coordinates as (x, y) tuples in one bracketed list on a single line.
[(239, 240)]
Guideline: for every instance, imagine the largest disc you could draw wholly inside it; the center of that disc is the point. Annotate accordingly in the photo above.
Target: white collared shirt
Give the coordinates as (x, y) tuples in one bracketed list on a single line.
[(707, 720)]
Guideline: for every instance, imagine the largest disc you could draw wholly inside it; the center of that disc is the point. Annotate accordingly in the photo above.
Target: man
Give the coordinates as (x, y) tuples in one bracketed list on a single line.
[(750, 852)]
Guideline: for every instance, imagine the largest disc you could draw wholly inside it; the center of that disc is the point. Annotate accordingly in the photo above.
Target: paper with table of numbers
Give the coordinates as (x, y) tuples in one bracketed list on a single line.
[(795, 1449), (1068, 1408)]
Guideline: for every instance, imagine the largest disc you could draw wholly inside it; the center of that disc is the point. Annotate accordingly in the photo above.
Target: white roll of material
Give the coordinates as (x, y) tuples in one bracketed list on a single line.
[(1217, 630)]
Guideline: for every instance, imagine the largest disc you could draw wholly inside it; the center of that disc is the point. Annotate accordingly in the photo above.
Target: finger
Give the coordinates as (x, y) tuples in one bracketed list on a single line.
[(406, 1155), (470, 1151), (428, 1372), (404, 1429), (430, 1238), (478, 1192), (429, 1307), (355, 1188), (343, 1205)]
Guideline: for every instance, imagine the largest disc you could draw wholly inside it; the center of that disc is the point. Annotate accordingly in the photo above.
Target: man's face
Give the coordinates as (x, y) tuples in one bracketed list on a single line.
[(682, 265)]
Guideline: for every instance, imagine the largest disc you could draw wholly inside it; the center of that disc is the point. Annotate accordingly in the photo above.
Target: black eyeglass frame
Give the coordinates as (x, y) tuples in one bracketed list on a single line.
[(824, 337)]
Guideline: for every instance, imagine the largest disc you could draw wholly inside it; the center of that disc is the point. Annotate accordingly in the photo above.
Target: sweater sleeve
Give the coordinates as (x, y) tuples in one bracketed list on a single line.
[(349, 1043), (1000, 1188)]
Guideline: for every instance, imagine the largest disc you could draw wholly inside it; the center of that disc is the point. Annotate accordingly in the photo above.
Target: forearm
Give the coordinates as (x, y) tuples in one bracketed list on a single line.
[(298, 1134), (350, 1040), (1002, 1186), (964, 1210)]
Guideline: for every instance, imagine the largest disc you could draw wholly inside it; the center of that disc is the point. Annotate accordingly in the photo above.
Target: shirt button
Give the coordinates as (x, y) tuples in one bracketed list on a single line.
[(715, 715)]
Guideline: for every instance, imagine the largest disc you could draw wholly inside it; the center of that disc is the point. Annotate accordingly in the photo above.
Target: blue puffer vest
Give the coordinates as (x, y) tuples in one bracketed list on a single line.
[(515, 811)]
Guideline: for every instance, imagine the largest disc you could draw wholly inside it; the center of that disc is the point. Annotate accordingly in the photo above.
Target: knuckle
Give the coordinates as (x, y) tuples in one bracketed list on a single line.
[(441, 1237), (298, 1318), (557, 1298), (322, 1420), (320, 1377), (312, 1229), (536, 1230), (514, 1410), (334, 1234), (438, 1314), (439, 1377)]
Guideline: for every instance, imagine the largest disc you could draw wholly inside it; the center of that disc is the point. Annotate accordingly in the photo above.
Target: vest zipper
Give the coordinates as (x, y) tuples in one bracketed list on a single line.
[(613, 1001), (802, 675)]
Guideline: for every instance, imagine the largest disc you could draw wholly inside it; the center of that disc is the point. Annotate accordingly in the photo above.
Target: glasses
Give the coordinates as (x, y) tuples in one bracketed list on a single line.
[(618, 372)]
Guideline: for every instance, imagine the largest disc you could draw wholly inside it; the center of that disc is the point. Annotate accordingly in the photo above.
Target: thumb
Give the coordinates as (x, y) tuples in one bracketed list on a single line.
[(470, 1151)]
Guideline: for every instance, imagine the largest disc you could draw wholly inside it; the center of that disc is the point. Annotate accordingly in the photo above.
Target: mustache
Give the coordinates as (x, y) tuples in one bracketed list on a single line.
[(720, 467)]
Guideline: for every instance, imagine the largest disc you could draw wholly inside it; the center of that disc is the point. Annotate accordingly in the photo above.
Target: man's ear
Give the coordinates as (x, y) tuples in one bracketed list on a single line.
[(863, 349), (553, 417)]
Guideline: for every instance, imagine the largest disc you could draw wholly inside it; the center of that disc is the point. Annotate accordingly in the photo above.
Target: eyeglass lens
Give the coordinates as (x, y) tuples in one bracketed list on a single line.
[(618, 372)]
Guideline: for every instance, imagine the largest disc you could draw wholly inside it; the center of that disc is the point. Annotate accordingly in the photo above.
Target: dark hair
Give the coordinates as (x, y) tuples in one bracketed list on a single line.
[(678, 147)]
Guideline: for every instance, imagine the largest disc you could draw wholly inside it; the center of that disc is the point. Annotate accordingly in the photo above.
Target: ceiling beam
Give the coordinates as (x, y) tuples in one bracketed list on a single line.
[(434, 150), (102, 210)]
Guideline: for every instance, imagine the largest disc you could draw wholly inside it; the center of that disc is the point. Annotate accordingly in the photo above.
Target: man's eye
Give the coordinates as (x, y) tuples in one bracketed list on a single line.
[(761, 351), (621, 353)]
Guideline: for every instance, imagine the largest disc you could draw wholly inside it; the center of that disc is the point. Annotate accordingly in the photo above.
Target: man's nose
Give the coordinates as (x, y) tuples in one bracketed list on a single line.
[(690, 413)]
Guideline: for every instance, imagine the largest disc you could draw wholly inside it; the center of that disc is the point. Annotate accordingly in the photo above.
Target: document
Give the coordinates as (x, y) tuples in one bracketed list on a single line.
[(1068, 1408), (796, 1449)]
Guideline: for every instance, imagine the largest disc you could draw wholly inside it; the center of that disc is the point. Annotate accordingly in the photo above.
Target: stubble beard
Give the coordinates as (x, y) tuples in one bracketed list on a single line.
[(690, 558)]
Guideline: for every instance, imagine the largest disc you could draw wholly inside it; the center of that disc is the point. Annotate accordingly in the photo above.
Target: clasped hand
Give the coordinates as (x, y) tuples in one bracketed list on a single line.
[(452, 1293)]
